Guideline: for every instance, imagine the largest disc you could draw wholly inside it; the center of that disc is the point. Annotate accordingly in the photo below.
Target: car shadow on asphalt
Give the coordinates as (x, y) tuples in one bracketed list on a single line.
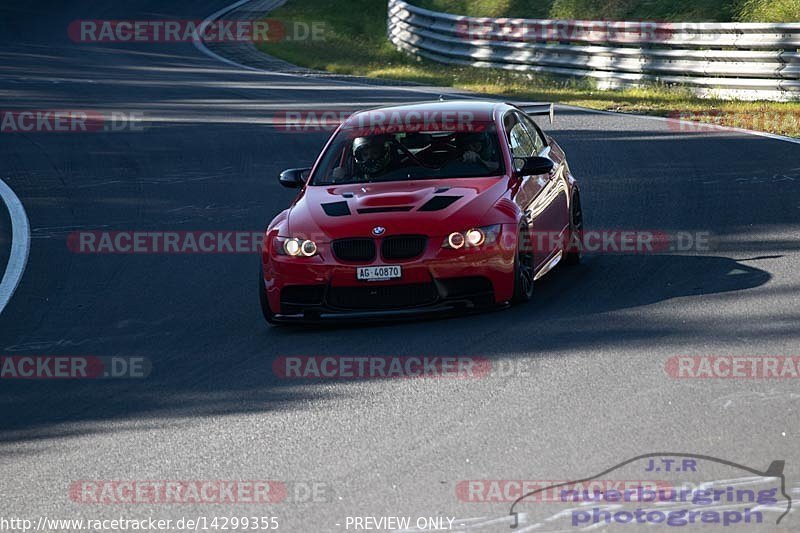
[(600, 284)]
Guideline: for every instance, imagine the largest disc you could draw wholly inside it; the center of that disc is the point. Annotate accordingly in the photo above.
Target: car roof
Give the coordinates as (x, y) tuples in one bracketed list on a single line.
[(481, 108)]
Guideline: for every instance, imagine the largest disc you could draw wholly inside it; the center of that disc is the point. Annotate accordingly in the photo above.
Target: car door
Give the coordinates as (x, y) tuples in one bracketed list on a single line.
[(552, 204), (530, 196)]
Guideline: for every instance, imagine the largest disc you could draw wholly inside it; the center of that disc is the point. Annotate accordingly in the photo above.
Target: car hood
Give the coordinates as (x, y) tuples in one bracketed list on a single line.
[(428, 207)]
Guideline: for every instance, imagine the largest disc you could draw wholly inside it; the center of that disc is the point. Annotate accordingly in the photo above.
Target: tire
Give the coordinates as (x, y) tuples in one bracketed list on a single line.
[(524, 268), (573, 253), (269, 316)]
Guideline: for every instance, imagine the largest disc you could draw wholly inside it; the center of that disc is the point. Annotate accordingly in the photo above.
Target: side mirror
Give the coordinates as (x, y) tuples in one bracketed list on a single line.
[(294, 178), (533, 166)]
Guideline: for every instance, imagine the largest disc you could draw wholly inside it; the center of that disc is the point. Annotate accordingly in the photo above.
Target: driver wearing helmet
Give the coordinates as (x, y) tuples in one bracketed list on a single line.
[(372, 154), (474, 151)]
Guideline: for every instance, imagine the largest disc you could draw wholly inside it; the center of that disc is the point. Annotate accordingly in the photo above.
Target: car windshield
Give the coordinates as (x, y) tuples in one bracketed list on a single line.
[(363, 157)]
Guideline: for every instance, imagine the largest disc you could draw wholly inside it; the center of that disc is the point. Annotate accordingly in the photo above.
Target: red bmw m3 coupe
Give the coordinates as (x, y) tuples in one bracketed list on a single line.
[(422, 208)]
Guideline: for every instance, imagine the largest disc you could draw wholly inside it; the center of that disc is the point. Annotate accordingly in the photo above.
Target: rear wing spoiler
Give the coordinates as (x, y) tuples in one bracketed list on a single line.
[(537, 109)]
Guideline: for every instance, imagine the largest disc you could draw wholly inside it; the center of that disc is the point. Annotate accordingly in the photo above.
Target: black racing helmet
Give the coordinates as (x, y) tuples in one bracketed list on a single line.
[(372, 152)]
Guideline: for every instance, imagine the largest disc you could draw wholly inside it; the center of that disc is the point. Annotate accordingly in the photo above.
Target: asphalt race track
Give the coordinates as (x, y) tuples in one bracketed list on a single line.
[(583, 384)]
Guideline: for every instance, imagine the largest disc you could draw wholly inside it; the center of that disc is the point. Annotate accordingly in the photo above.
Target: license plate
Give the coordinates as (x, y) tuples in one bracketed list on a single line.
[(379, 273)]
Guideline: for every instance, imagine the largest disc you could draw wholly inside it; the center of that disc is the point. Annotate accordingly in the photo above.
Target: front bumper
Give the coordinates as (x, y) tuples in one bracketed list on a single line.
[(322, 288), (322, 303)]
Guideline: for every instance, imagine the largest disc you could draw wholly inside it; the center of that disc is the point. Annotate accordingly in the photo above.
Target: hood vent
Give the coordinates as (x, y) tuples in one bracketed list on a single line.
[(388, 209), (336, 209), (437, 203)]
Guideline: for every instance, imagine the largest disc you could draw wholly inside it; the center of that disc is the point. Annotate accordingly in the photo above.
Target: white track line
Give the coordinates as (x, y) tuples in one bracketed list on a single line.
[(20, 244), (200, 45)]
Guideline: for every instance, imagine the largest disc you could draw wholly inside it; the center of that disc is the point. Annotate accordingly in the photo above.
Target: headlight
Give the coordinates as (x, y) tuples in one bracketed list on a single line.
[(472, 238), (455, 241), (475, 237), (292, 247), (308, 248), (295, 247)]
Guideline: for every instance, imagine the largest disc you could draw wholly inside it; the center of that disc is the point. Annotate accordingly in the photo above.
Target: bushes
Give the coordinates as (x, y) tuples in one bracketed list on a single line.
[(769, 11), (589, 9), (666, 10), (490, 8)]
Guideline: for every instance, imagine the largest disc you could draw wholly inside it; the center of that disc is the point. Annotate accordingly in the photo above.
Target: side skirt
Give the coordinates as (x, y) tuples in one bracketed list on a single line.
[(550, 265)]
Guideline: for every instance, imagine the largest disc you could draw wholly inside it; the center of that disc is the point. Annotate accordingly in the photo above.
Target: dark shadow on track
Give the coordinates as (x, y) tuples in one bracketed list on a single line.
[(210, 383)]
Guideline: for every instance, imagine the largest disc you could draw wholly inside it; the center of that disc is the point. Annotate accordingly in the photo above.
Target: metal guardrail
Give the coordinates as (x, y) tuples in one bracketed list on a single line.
[(742, 60)]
